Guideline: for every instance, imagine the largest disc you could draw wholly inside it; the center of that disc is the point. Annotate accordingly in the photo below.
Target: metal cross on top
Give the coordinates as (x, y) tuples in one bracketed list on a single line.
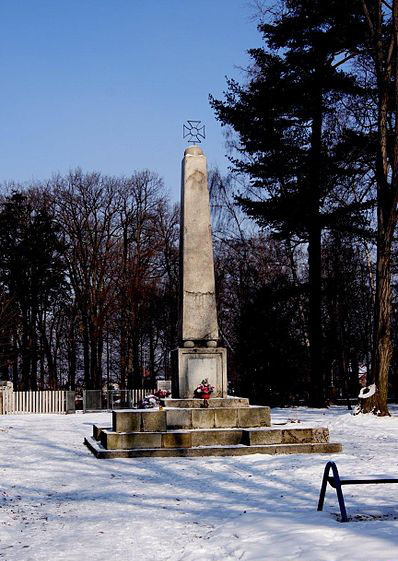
[(194, 131)]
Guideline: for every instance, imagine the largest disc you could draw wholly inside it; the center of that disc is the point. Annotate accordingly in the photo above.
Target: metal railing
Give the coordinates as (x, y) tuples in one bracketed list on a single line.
[(99, 400)]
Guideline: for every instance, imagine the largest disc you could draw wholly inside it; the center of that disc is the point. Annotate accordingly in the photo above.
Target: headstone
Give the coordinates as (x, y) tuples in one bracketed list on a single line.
[(163, 385), (199, 355), (5, 386)]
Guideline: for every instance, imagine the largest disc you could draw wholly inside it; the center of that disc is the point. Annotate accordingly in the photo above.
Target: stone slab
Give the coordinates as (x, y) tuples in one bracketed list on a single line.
[(261, 436), (153, 421), (225, 417), (292, 436), (126, 441), (228, 402), (254, 416), (128, 420), (239, 450), (177, 440), (203, 418), (136, 420), (320, 434), (253, 437), (216, 437), (179, 418), (97, 430)]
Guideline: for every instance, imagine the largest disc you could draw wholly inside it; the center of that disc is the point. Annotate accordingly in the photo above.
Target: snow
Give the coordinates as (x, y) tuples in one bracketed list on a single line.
[(58, 502)]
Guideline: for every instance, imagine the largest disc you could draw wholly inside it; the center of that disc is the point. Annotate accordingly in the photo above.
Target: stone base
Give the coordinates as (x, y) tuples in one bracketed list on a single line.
[(228, 427), (239, 450), (192, 365)]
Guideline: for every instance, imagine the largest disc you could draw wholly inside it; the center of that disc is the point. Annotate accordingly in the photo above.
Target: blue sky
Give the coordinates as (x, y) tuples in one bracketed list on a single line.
[(107, 84)]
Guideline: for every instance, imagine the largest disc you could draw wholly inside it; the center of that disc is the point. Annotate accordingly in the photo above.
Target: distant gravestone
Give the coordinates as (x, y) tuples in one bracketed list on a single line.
[(164, 385), (5, 386)]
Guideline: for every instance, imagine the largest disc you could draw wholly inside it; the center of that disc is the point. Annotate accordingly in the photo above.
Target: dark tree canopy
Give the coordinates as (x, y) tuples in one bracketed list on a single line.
[(292, 136)]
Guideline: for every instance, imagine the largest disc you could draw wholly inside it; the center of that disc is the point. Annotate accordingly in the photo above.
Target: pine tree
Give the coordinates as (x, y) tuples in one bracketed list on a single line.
[(290, 135), (31, 271)]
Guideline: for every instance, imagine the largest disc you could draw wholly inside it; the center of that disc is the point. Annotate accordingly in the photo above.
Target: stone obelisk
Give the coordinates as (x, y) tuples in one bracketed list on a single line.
[(199, 355)]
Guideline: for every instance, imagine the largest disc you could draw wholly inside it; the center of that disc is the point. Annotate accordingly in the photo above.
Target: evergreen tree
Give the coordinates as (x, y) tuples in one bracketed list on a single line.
[(31, 272), (293, 139)]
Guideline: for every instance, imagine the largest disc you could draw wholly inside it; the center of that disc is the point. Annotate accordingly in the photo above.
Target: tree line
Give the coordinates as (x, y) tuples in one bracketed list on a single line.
[(89, 290), (89, 276)]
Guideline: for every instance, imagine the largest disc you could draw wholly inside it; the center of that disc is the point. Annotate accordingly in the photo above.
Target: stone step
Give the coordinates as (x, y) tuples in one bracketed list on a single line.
[(253, 437), (155, 420), (238, 450), (227, 402), (206, 438)]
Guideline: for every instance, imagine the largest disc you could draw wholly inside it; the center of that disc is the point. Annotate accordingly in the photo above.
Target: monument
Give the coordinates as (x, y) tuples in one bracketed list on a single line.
[(185, 425), (199, 355)]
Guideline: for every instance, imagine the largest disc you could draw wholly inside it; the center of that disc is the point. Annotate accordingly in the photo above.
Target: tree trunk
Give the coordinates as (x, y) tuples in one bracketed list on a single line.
[(317, 397), (51, 363), (136, 374), (130, 364), (42, 370), (15, 370), (25, 351), (386, 62), (86, 353), (123, 351), (33, 345), (382, 350), (100, 351), (72, 359), (93, 357), (317, 390)]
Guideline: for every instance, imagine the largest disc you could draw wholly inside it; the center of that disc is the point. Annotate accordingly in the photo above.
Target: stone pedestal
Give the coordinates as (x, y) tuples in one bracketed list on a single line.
[(192, 365)]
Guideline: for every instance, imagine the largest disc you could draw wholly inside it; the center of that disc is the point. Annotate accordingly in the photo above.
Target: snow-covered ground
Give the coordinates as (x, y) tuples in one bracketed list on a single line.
[(58, 502)]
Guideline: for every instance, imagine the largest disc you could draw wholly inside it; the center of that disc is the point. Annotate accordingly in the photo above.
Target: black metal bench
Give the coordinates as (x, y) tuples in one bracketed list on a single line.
[(337, 482)]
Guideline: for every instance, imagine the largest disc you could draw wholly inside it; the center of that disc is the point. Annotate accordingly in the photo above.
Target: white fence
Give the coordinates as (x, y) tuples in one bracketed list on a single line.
[(33, 402), (63, 402)]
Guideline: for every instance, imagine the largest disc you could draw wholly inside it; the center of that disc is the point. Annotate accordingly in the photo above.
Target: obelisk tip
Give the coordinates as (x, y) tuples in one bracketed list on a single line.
[(193, 151)]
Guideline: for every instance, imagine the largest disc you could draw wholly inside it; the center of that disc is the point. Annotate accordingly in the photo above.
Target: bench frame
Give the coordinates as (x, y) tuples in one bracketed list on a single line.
[(337, 482)]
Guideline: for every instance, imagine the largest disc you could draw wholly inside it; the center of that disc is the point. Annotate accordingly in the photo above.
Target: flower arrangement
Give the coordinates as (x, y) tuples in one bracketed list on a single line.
[(204, 389), (151, 401), (162, 394)]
